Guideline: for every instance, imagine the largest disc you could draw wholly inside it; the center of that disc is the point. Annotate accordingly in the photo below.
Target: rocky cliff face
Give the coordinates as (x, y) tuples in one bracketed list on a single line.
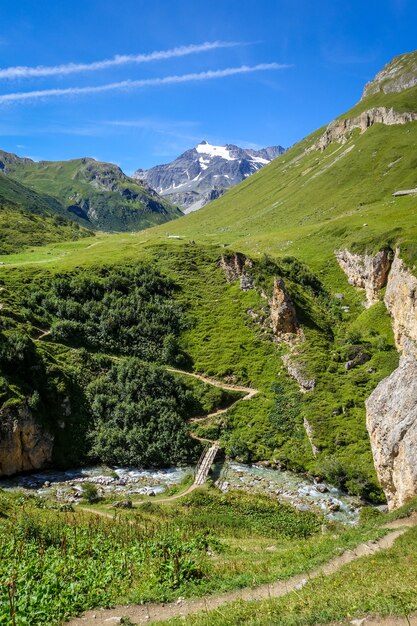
[(401, 301), (397, 75), (392, 426), (24, 445), (366, 271), (340, 130), (391, 410), (236, 266)]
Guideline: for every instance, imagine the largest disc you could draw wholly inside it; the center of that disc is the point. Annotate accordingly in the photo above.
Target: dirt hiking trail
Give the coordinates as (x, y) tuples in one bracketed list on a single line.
[(148, 613)]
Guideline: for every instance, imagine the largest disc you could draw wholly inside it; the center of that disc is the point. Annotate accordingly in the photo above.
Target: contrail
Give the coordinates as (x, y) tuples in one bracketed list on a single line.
[(138, 84), (73, 68)]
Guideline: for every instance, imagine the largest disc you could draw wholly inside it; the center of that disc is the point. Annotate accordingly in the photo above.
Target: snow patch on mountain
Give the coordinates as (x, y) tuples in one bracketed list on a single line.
[(214, 151)]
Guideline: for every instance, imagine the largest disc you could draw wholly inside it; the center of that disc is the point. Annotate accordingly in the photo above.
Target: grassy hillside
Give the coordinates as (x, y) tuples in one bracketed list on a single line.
[(31, 219), (377, 586), (97, 195), (88, 331), (59, 562), (220, 339), (308, 204)]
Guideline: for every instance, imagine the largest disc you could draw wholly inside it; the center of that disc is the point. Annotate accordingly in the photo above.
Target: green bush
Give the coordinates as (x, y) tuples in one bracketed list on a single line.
[(89, 492)]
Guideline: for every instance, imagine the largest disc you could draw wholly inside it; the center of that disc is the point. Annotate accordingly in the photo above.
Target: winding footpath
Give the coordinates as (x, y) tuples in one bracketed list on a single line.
[(248, 391), (153, 612), (156, 612), (206, 461)]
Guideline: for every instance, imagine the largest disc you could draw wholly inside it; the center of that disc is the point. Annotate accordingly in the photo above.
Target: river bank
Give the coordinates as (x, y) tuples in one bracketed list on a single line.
[(121, 482)]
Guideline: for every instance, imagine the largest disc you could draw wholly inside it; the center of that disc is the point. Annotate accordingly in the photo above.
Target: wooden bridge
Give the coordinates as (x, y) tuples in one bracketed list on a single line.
[(206, 461)]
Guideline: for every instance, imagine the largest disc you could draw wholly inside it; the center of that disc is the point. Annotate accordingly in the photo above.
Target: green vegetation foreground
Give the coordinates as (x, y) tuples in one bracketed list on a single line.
[(57, 563)]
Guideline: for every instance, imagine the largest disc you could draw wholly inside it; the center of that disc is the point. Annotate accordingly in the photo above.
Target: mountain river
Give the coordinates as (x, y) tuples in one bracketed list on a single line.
[(122, 482)]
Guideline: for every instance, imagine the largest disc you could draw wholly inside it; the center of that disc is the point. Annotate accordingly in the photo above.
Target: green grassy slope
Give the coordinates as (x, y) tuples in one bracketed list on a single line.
[(31, 219), (222, 340), (310, 203), (304, 205), (69, 561), (97, 195), (381, 585)]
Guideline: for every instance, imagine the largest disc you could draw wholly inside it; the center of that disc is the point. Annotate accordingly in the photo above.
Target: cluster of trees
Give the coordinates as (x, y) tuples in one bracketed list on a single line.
[(113, 410), (16, 350), (139, 416), (128, 310)]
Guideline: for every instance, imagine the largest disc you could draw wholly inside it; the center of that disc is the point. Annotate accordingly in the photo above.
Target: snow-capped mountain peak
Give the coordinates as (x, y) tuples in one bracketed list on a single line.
[(214, 151), (205, 172)]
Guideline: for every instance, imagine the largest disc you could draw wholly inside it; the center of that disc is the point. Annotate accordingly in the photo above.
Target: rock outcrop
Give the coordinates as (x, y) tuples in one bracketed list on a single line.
[(24, 444), (297, 371), (366, 271), (405, 192), (236, 266), (392, 425), (340, 130), (284, 321), (397, 75), (401, 302), (391, 410), (309, 432), (360, 357)]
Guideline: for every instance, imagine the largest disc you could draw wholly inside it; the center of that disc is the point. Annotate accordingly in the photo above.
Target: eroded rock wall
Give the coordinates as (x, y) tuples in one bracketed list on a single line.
[(340, 130), (391, 419), (366, 271), (236, 266), (283, 317), (401, 302), (391, 410), (24, 444)]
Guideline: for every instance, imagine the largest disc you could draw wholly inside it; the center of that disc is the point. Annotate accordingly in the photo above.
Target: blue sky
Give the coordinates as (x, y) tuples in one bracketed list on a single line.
[(79, 78)]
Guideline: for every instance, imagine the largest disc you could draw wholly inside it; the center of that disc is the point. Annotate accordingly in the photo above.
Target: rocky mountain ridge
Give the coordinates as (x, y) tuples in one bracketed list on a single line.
[(203, 173), (397, 75)]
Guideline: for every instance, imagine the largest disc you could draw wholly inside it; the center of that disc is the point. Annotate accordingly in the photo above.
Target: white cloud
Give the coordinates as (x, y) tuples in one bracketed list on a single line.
[(153, 124), (120, 59), (138, 84)]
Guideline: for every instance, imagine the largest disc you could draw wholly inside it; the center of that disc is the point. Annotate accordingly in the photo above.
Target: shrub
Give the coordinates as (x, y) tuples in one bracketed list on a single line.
[(90, 492)]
